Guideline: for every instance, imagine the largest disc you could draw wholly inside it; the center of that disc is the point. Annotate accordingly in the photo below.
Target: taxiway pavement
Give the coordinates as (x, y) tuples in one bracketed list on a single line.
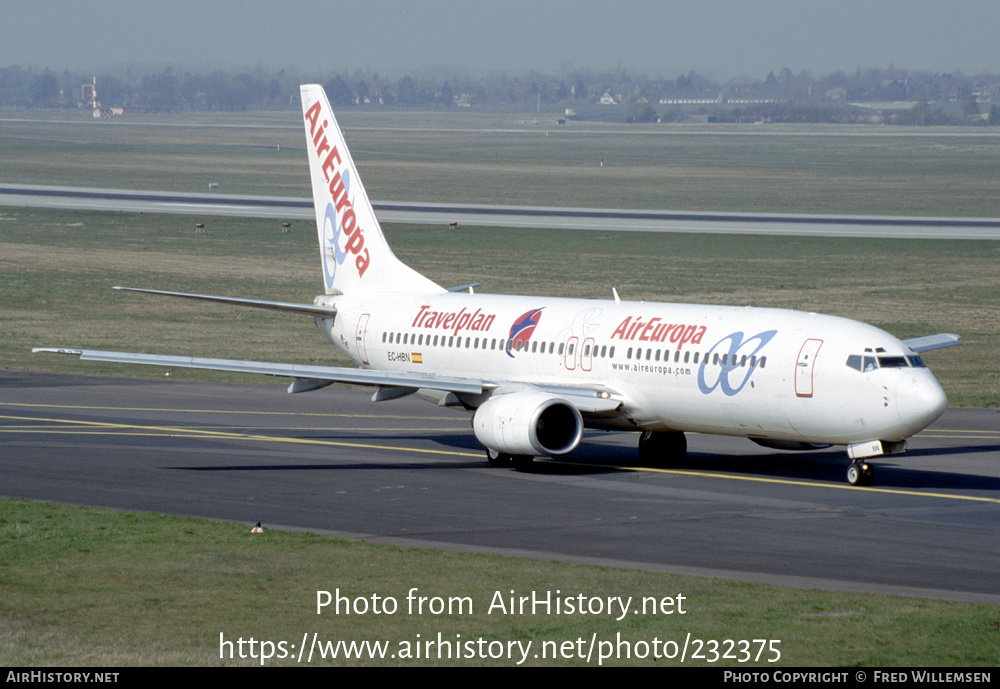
[(605, 220), (407, 472)]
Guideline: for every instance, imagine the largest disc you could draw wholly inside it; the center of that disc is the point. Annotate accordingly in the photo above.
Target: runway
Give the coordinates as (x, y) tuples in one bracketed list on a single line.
[(407, 472), (287, 208)]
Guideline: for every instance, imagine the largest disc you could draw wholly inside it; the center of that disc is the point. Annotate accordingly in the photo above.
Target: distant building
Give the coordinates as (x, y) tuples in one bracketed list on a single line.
[(691, 101)]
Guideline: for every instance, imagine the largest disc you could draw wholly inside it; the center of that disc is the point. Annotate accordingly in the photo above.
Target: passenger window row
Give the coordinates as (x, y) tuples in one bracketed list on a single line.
[(694, 357), (485, 343), (589, 350)]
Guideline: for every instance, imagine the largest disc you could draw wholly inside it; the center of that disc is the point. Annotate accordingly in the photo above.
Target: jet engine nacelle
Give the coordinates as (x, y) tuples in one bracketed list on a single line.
[(528, 424)]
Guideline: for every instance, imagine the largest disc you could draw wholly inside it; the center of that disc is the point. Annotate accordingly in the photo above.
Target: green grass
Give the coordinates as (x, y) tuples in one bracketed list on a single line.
[(57, 269), (84, 586), (480, 158)]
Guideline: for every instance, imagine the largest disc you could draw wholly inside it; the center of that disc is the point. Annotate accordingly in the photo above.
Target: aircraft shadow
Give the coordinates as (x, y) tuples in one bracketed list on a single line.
[(42, 379), (340, 466), (590, 458), (828, 466), (962, 450)]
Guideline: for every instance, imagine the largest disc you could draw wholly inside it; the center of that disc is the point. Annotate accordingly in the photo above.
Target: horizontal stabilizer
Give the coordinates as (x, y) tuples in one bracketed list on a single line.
[(939, 341), (311, 309)]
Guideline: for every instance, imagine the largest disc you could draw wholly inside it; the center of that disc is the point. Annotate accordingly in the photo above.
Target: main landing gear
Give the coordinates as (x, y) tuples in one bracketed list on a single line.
[(860, 474), (502, 460), (655, 450), (662, 449)]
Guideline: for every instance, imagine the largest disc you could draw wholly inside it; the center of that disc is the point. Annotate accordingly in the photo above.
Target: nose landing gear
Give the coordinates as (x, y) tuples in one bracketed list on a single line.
[(860, 474)]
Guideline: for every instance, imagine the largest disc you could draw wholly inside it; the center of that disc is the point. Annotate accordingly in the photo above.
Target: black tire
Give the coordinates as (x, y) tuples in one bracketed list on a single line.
[(662, 449), (860, 474), (854, 475), (522, 462)]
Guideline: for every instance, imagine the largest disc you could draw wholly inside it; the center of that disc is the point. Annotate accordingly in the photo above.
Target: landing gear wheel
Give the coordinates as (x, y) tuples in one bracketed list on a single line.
[(860, 474), (522, 462), (662, 449), (498, 459)]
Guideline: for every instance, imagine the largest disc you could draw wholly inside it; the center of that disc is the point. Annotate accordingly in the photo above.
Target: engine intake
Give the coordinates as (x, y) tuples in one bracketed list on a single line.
[(528, 423)]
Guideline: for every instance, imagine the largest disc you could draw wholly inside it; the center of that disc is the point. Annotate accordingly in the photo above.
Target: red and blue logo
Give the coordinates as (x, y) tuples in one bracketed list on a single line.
[(521, 331)]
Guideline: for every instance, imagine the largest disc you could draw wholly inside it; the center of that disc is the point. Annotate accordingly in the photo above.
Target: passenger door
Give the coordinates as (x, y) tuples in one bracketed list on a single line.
[(804, 366)]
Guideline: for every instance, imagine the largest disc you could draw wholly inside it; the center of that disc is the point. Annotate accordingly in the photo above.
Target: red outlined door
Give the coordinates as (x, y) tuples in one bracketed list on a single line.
[(360, 337), (804, 366)]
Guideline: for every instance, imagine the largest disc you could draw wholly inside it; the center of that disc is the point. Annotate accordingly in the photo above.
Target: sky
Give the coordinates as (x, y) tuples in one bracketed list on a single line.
[(722, 39)]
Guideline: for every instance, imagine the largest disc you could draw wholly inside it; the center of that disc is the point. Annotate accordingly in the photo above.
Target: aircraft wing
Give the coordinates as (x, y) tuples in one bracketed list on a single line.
[(333, 374), (586, 400), (312, 309), (939, 341)]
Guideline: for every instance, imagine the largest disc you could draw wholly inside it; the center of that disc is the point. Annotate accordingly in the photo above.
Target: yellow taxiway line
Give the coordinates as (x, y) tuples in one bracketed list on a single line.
[(89, 427)]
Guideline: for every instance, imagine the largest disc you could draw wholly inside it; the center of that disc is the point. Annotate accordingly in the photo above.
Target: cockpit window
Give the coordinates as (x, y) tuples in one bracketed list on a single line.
[(863, 363), (868, 362)]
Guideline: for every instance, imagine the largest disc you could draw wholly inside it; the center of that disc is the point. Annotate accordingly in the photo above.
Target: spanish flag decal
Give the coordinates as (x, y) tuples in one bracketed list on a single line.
[(417, 357)]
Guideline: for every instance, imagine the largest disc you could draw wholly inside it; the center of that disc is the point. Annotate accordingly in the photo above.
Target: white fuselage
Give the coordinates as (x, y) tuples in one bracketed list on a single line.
[(760, 373)]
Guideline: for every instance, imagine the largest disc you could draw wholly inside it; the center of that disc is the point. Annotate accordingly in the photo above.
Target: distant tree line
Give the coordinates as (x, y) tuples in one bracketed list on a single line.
[(918, 98)]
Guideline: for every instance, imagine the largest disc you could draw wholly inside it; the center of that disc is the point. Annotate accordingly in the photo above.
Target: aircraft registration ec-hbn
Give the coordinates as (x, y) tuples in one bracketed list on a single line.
[(536, 371)]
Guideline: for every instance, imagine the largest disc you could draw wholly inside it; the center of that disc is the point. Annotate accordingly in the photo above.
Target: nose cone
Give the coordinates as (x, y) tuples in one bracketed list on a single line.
[(919, 400)]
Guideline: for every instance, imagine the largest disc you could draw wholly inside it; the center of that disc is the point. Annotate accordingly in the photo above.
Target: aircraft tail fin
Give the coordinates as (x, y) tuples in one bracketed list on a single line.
[(356, 257)]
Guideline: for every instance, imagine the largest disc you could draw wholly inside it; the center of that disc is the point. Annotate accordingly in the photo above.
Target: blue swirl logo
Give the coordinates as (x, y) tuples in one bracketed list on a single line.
[(730, 376), (332, 231)]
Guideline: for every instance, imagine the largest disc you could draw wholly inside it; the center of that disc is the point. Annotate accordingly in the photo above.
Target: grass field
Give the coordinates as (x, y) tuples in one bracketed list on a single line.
[(173, 585), (481, 158), (98, 588), (57, 269)]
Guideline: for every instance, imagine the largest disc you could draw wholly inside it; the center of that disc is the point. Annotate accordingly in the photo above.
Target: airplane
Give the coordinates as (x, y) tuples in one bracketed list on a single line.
[(536, 371)]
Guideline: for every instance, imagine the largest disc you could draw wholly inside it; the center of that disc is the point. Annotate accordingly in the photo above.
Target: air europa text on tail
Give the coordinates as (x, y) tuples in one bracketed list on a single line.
[(343, 216)]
